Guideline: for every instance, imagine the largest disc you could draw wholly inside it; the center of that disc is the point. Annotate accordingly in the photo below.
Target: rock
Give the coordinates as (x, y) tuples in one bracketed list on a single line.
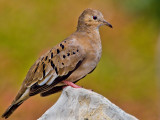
[(82, 104)]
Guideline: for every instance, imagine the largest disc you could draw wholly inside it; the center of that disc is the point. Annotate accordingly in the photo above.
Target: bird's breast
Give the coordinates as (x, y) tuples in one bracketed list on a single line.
[(95, 50)]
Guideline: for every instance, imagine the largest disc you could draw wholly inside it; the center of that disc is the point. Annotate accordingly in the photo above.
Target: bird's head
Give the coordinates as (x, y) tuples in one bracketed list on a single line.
[(92, 18)]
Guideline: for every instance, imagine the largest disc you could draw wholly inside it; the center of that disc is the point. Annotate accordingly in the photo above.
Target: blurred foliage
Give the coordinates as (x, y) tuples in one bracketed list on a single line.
[(148, 8), (126, 72)]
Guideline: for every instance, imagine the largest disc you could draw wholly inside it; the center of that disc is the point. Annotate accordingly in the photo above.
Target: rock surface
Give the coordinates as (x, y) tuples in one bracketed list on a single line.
[(82, 104)]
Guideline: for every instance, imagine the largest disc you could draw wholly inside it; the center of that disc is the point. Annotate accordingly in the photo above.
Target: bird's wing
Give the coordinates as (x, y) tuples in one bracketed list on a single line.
[(54, 67), (50, 69)]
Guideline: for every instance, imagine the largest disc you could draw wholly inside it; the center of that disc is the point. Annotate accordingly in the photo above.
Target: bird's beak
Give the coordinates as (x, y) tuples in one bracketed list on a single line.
[(107, 24)]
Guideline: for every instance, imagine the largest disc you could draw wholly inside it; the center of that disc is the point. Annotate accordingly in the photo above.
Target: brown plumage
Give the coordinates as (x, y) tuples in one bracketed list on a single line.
[(71, 60)]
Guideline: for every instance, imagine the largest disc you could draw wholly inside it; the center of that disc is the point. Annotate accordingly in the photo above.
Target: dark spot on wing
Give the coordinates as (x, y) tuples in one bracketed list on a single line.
[(64, 56), (43, 66), (74, 53), (51, 54), (62, 63), (52, 64), (36, 69), (46, 58), (77, 50), (62, 46), (44, 73), (58, 51), (68, 54), (56, 70), (43, 69)]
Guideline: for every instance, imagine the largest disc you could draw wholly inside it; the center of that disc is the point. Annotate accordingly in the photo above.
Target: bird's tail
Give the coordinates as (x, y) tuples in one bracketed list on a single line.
[(22, 95), (11, 109)]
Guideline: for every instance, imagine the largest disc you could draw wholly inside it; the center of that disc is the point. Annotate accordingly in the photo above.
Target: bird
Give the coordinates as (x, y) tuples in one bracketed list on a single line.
[(66, 63)]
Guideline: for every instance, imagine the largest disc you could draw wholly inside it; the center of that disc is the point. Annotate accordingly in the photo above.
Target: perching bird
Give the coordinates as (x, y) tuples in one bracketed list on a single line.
[(66, 63)]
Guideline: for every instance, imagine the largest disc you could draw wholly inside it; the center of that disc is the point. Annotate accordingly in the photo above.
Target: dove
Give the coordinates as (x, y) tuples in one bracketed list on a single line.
[(66, 63)]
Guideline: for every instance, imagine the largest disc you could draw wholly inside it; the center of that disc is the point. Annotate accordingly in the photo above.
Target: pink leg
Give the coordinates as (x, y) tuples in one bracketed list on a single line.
[(71, 84)]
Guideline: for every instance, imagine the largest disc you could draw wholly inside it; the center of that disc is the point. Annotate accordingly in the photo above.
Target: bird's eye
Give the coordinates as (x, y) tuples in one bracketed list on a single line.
[(95, 17)]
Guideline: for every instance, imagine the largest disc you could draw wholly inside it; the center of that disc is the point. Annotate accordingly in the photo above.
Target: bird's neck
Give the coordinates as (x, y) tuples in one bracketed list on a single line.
[(87, 28), (92, 33), (90, 30)]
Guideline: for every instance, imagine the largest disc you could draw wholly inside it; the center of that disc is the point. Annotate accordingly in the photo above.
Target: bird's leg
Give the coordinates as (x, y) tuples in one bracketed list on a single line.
[(71, 84)]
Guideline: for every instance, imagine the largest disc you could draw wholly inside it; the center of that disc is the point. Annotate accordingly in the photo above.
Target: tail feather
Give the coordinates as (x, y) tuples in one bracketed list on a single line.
[(19, 99), (11, 109)]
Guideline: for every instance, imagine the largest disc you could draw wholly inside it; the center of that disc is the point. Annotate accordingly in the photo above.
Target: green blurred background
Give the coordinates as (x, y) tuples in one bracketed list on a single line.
[(128, 73)]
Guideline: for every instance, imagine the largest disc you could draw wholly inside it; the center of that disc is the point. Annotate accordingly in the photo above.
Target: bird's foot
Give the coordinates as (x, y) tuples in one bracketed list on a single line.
[(71, 84), (68, 83)]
